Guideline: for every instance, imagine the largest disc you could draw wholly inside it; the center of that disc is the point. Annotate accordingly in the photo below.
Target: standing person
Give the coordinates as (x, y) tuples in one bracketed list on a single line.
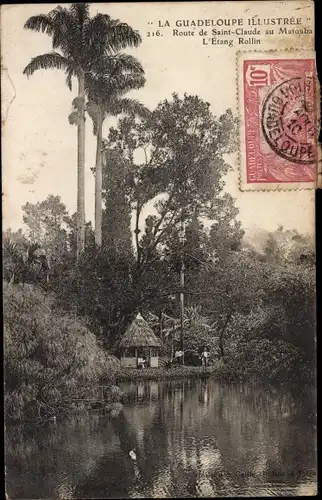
[(205, 357), (179, 356)]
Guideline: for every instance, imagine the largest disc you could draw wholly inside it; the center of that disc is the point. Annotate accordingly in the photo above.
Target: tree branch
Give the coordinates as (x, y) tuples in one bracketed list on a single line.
[(221, 335), (163, 213), (157, 240), (137, 221)]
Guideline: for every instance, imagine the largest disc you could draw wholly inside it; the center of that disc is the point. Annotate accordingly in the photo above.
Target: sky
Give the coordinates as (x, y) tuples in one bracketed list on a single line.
[(39, 146)]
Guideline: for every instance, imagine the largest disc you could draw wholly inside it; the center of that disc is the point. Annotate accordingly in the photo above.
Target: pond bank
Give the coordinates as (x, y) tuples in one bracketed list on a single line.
[(178, 372), (217, 371)]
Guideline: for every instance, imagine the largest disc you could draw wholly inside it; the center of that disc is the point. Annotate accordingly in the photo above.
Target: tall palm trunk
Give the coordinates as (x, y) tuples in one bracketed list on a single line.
[(81, 166), (98, 179)]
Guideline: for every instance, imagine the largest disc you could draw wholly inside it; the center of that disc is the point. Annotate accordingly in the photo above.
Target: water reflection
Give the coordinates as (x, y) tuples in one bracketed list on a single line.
[(192, 439)]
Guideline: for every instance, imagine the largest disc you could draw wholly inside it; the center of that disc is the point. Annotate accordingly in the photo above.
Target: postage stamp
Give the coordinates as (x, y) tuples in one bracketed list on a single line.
[(278, 133)]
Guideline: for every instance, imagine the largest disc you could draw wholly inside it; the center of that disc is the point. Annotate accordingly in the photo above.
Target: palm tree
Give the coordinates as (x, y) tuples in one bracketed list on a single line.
[(27, 261), (81, 41), (115, 76)]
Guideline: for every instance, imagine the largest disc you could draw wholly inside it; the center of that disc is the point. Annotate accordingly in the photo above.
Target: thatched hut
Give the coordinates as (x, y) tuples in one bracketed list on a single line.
[(139, 341)]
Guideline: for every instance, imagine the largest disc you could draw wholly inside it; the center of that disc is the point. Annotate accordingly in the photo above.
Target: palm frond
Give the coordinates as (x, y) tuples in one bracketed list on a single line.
[(94, 37), (126, 62), (58, 24), (93, 83), (118, 63), (126, 83), (10, 248), (106, 35), (66, 34), (73, 118), (106, 86), (127, 106), (41, 23), (78, 103), (77, 106), (121, 35), (80, 11), (52, 60), (96, 26), (69, 75)]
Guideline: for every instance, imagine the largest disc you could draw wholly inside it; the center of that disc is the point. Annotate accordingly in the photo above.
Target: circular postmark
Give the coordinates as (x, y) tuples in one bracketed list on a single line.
[(288, 120)]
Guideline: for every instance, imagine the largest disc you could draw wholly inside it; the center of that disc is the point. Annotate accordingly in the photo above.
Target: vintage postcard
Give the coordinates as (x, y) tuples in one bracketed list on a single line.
[(159, 165)]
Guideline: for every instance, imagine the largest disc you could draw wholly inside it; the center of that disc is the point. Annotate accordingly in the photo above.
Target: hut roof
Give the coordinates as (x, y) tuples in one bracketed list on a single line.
[(139, 334)]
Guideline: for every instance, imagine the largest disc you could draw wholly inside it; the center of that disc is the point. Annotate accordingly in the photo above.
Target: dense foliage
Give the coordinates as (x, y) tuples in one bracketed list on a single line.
[(52, 361)]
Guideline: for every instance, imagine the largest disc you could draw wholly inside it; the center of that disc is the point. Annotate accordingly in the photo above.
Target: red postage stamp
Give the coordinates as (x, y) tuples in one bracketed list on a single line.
[(279, 126)]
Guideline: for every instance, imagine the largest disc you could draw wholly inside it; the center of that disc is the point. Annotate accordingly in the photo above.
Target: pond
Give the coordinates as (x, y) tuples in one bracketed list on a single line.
[(191, 438)]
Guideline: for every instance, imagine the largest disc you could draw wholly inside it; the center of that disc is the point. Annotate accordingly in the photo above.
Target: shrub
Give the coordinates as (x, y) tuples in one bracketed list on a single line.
[(263, 358), (168, 363), (50, 358), (197, 334)]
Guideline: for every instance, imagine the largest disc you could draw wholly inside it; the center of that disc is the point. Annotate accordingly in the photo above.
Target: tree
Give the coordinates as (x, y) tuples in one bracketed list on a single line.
[(115, 76), (291, 290), (181, 149), (182, 146), (48, 224), (288, 246), (116, 220), (232, 286), (99, 288), (263, 312), (82, 42)]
